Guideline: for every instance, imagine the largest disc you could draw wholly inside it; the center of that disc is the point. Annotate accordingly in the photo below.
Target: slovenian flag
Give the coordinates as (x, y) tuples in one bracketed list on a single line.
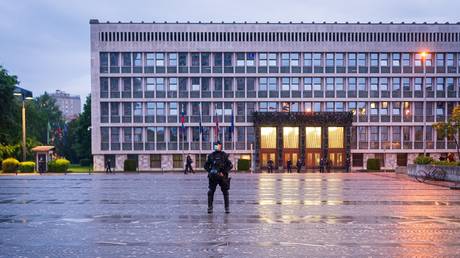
[(182, 119), (216, 128)]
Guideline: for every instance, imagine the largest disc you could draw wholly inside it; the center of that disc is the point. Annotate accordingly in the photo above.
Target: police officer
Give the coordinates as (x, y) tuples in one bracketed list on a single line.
[(218, 166)]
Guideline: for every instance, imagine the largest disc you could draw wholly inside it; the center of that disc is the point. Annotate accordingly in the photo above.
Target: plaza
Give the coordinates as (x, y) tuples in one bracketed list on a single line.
[(272, 215)]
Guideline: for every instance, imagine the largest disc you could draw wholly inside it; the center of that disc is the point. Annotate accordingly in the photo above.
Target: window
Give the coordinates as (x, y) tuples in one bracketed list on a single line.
[(374, 59), (295, 59), (173, 109), (173, 134), (383, 59), (307, 84), (183, 59), (330, 59), (160, 134), (137, 59), (417, 84), (195, 59), (272, 84), (250, 59), (285, 84), (228, 59), (137, 108), (172, 59), (284, 59), (362, 59), (317, 84), (362, 84), (317, 57), (339, 59), (177, 161), (172, 84), (396, 59), (150, 109), (263, 60), (396, 84), (383, 84), (351, 59), (329, 84), (155, 160), (272, 59), (294, 84), (440, 84), (160, 107), (195, 83), (307, 59), (150, 84), (160, 59), (406, 59), (150, 59), (160, 84), (439, 59), (352, 84)]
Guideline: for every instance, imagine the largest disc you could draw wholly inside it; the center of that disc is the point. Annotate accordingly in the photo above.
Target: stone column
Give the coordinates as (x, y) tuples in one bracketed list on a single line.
[(302, 144), (347, 140), (324, 142)]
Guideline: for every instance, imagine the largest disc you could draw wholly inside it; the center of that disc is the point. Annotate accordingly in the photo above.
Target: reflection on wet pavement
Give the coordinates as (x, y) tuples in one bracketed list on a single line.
[(272, 215)]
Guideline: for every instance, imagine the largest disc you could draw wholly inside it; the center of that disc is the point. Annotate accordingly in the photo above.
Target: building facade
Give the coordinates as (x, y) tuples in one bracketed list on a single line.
[(69, 105), (283, 91)]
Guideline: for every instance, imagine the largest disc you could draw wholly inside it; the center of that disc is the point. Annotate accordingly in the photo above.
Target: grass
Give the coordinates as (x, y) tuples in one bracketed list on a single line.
[(76, 168)]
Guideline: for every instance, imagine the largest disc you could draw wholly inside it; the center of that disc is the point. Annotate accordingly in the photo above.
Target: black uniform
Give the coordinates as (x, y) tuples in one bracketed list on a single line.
[(41, 166), (299, 165), (289, 166), (188, 165), (108, 167), (270, 166), (321, 165), (218, 166)]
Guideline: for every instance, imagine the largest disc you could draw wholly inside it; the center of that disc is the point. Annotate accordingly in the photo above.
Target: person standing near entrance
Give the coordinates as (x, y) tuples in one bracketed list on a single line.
[(41, 165), (188, 165), (289, 166), (299, 165), (321, 165), (218, 166), (347, 165), (270, 165), (108, 166)]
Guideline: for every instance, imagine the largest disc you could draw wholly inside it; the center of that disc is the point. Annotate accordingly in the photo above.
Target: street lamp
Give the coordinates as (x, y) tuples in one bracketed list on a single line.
[(424, 55), (24, 95)]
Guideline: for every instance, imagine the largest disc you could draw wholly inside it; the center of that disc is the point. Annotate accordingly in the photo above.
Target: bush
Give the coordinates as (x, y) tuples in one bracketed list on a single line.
[(373, 165), (27, 166), (130, 165), (85, 162), (10, 165), (58, 165), (423, 160), (243, 164), (446, 163)]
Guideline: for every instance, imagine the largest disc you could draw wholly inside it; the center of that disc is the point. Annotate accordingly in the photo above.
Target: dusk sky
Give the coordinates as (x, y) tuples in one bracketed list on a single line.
[(46, 43)]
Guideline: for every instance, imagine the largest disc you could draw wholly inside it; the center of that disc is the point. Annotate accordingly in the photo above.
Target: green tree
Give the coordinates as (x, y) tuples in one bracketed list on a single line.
[(451, 128), (82, 142), (9, 109)]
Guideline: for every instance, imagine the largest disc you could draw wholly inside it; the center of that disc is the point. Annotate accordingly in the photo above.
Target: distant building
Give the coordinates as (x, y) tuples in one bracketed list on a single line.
[(70, 105)]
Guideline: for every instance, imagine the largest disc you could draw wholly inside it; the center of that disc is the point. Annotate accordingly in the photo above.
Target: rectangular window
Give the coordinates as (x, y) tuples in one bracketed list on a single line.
[(313, 137), (172, 59), (160, 59), (272, 59), (155, 160), (263, 60), (307, 59)]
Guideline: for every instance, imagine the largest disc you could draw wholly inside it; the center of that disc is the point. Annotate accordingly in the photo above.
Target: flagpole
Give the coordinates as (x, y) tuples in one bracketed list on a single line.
[(201, 135)]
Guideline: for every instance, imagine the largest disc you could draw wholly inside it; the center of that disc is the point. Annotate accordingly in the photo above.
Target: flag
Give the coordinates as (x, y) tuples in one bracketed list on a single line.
[(182, 119), (201, 118), (231, 129), (216, 128)]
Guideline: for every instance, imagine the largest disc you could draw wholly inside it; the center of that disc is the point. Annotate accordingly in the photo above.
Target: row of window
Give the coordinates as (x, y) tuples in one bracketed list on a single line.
[(162, 112), (228, 87), (174, 138), (280, 36), (133, 62)]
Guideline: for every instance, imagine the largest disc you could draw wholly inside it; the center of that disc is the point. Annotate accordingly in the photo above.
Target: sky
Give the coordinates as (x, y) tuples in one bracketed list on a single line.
[(46, 42)]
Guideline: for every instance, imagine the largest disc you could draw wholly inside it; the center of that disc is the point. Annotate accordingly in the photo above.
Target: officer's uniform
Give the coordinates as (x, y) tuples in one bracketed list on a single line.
[(218, 161)]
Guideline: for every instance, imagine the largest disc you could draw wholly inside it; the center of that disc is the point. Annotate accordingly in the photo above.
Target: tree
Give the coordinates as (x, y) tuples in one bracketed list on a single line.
[(82, 140), (9, 109), (451, 128)]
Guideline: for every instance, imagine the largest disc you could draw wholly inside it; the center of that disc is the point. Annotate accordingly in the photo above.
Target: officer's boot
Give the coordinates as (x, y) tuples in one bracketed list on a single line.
[(226, 202), (210, 201)]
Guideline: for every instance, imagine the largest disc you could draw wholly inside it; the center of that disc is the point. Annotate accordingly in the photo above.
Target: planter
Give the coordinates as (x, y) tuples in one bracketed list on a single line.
[(452, 173)]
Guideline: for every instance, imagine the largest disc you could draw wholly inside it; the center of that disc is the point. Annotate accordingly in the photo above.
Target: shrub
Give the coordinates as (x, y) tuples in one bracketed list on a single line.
[(130, 165), (423, 160), (58, 165), (85, 162), (446, 163), (27, 166), (10, 165), (243, 164), (373, 164)]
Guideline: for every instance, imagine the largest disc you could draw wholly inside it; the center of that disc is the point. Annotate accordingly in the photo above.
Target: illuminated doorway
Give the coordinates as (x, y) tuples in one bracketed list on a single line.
[(313, 146), (267, 145), (290, 145)]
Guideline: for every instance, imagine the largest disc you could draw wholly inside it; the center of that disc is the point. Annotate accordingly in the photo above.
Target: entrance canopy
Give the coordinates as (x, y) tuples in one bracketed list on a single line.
[(308, 137)]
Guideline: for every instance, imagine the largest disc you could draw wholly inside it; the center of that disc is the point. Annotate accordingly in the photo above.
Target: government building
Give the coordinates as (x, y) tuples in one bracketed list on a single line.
[(271, 91)]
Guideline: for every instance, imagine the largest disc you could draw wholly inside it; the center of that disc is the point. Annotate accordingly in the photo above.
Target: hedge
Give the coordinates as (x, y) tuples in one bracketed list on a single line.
[(446, 163), (85, 162), (423, 160), (27, 166), (10, 165), (130, 165), (243, 164), (373, 164), (58, 165)]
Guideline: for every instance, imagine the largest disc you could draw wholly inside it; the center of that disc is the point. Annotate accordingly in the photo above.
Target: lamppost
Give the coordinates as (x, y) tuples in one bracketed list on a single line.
[(25, 95), (423, 55)]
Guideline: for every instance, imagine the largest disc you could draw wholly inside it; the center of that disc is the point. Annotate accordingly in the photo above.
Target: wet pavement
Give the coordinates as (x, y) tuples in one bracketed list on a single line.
[(273, 215)]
